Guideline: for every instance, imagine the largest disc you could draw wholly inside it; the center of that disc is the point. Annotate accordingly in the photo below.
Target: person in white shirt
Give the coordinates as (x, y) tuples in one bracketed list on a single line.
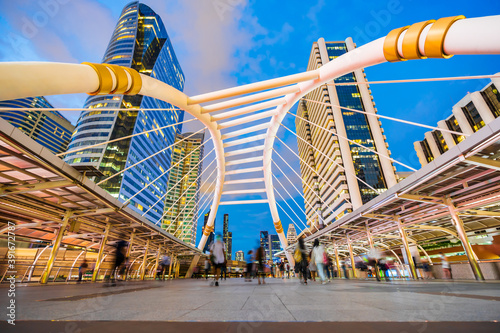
[(218, 256), (318, 256)]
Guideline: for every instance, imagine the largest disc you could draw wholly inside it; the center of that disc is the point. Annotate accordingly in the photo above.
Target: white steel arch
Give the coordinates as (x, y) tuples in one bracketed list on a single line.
[(267, 99)]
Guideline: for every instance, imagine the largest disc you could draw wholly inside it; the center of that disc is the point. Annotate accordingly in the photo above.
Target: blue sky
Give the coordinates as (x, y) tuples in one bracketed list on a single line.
[(222, 43)]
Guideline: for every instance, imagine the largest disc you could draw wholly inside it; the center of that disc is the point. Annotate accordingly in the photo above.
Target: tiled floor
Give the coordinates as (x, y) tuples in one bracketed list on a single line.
[(276, 301)]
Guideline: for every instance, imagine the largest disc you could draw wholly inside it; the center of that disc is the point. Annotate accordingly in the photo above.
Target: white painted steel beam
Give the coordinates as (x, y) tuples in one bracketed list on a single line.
[(246, 120), (253, 87), (243, 151), (245, 131), (245, 140), (244, 192), (240, 171), (243, 181), (249, 109), (243, 202), (250, 99), (244, 160)]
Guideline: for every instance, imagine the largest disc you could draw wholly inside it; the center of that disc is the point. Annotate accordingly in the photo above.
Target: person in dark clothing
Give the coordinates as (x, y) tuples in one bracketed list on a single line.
[(260, 258), (301, 262), (121, 248), (82, 269)]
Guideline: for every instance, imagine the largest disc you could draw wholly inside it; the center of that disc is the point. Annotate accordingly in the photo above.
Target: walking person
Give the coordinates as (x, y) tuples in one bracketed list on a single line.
[(207, 268), (319, 257), (260, 258), (446, 266), (82, 270), (249, 272), (165, 265), (218, 255), (282, 269), (301, 263), (312, 266), (121, 248)]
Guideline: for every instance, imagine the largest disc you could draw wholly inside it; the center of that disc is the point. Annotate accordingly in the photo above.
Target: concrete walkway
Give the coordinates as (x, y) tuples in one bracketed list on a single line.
[(277, 301)]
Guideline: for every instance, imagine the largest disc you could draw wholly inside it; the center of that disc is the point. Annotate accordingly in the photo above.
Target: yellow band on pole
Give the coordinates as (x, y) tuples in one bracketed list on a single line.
[(434, 42), (411, 38), (105, 79), (391, 53), (121, 79)]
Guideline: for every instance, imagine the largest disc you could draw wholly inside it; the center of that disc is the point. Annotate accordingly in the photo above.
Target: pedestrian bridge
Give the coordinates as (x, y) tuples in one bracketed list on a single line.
[(238, 306), (51, 201)]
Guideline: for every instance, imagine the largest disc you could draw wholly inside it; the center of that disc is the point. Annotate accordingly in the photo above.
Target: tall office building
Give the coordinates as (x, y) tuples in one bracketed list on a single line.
[(227, 237), (330, 186), (48, 128), (140, 42), (469, 115), (181, 203), (291, 234), (211, 237), (274, 247), (239, 256), (264, 242)]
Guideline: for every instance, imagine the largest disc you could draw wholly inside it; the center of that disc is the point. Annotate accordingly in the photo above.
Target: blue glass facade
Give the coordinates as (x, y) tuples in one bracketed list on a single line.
[(366, 163), (141, 42), (48, 128)]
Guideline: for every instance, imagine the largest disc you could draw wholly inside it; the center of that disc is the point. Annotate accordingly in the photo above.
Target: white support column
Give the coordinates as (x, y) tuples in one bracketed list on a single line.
[(448, 138), (351, 254), (462, 120), (375, 128), (404, 240), (432, 144), (345, 150), (481, 107)]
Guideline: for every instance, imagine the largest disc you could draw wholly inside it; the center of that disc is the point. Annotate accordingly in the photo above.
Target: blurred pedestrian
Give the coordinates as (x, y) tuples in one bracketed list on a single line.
[(165, 264), (287, 268), (82, 270), (207, 268), (218, 255), (312, 266), (121, 248), (320, 259), (427, 269), (260, 260), (301, 263), (446, 266), (282, 269), (249, 273)]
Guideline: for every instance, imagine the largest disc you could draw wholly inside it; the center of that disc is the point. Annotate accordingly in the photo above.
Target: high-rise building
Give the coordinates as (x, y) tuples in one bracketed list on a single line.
[(330, 178), (264, 242), (227, 237), (274, 247), (211, 237), (291, 234), (469, 115), (48, 128), (181, 203), (140, 42), (239, 256)]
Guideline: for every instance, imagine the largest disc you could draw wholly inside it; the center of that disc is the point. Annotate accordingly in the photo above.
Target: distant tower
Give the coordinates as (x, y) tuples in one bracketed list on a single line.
[(181, 204), (264, 242), (227, 237), (291, 234), (239, 256)]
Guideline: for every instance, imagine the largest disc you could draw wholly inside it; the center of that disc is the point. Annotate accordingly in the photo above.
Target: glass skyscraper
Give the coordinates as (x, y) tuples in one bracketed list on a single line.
[(181, 202), (344, 175), (227, 237), (48, 128), (141, 42)]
